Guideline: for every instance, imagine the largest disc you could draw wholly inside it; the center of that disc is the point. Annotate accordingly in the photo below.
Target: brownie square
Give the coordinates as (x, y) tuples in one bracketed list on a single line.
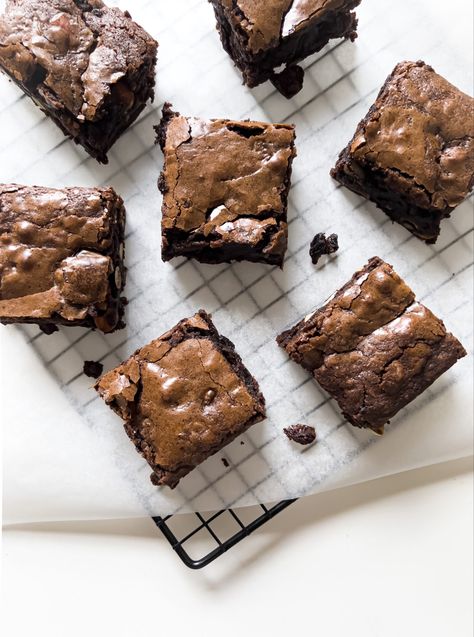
[(373, 347), (262, 35), (225, 188), (89, 67), (183, 397), (61, 257), (413, 154)]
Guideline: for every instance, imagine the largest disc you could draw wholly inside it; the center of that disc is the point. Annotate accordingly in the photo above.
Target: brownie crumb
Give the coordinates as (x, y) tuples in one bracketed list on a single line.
[(93, 369), (49, 328), (302, 434), (242, 442), (321, 245), (290, 81), (225, 462), (162, 187)]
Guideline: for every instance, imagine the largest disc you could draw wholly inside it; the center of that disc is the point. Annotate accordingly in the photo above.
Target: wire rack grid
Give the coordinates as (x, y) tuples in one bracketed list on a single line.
[(204, 538)]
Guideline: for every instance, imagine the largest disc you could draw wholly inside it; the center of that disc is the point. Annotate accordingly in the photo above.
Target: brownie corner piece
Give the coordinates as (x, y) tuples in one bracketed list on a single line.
[(89, 67), (264, 35), (225, 187), (413, 154), (183, 397), (373, 347), (62, 257)]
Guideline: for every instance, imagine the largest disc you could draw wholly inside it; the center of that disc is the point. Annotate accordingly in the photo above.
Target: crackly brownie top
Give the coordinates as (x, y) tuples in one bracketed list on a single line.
[(182, 396), (266, 22), (72, 51), (226, 179), (55, 248), (421, 129), (375, 296), (373, 347), (390, 366)]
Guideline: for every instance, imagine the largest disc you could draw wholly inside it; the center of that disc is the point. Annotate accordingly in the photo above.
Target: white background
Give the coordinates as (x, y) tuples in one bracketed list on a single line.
[(388, 558), (391, 558)]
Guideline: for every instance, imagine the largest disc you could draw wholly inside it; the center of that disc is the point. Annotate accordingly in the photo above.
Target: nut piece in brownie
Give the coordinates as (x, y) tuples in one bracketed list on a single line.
[(262, 35), (89, 67), (225, 185), (183, 397), (413, 154), (373, 347), (61, 257)]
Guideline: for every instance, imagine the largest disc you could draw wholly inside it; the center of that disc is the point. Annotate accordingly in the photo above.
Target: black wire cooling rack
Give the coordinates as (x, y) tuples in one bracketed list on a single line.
[(198, 539)]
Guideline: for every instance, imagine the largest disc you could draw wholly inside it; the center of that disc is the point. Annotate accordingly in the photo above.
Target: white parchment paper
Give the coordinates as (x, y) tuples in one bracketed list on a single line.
[(80, 464)]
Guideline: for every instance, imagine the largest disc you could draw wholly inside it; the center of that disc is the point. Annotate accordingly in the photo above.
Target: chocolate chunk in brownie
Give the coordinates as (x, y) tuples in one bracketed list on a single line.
[(413, 154), (61, 257), (89, 67), (93, 369), (302, 434), (322, 245), (373, 347), (262, 35), (183, 397), (225, 188)]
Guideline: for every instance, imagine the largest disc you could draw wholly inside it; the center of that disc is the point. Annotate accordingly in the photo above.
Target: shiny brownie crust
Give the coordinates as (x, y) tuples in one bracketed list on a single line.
[(89, 67), (413, 154), (373, 347), (61, 257), (262, 35), (225, 188), (183, 397)]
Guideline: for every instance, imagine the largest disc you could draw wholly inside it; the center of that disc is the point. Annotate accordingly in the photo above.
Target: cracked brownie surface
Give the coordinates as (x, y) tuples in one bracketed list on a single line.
[(183, 397), (413, 155), (88, 66), (373, 347), (225, 188), (262, 35), (61, 256)]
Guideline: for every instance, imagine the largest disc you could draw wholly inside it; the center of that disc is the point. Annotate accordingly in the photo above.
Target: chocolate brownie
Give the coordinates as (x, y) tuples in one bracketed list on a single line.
[(89, 67), (413, 154), (225, 185), (262, 35), (373, 347), (183, 397), (61, 257)]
